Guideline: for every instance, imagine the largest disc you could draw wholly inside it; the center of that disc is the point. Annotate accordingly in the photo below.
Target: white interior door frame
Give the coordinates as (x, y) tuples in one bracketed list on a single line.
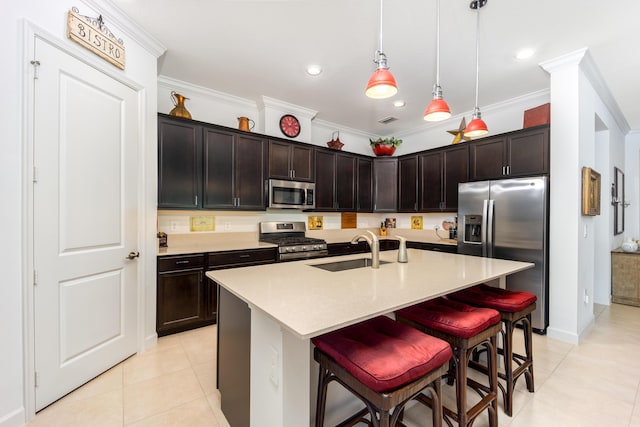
[(29, 33)]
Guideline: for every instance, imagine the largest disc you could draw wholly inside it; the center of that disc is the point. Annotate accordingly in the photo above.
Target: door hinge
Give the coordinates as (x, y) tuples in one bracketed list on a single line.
[(35, 174), (36, 379), (36, 65), (35, 277)]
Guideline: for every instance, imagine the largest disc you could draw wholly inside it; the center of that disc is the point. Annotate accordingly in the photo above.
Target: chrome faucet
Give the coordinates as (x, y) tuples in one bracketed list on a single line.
[(372, 240)]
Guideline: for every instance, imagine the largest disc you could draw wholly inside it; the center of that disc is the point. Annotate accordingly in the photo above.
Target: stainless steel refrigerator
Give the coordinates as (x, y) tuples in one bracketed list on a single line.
[(508, 219)]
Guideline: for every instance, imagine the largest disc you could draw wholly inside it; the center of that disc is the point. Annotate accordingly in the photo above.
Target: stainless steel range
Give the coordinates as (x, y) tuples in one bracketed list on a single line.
[(291, 240)]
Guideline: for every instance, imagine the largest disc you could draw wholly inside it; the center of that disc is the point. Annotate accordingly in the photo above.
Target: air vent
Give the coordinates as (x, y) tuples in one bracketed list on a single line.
[(387, 120)]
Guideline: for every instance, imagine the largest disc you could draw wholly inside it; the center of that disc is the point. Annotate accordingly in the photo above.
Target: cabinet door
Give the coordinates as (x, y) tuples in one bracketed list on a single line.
[(210, 299), (179, 164), (385, 184), (487, 158), (345, 183), (279, 160), (365, 185), (250, 159), (219, 160), (408, 184), (455, 171), (430, 181), (325, 180), (528, 152), (179, 301), (302, 163)]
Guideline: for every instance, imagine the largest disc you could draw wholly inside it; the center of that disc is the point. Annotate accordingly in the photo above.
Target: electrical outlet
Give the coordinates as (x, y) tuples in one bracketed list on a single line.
[(436, 227), (174, 225), (227, 226), (586, 297)]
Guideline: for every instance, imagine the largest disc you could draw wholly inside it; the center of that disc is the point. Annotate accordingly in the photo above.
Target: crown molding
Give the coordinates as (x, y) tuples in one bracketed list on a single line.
[(276, 104), (128, 26), (583, 59), (173, 84)]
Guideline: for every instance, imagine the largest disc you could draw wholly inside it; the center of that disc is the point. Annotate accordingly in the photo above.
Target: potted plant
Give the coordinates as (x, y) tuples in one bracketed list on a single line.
[(385, 146)]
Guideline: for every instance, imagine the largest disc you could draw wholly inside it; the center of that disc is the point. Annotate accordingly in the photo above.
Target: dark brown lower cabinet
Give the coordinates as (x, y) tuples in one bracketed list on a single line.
[(182, 297), (186, 298)]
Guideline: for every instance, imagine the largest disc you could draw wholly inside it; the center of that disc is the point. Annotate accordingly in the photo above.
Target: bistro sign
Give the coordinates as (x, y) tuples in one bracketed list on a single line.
[(92, 34)]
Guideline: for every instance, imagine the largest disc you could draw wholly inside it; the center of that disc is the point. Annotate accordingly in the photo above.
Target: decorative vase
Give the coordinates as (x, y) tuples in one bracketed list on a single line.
[(629, 245), (383, 150), (179, 110)]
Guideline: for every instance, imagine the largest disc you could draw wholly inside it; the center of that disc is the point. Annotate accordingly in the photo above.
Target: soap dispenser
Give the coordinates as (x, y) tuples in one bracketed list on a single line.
[(402, 250)]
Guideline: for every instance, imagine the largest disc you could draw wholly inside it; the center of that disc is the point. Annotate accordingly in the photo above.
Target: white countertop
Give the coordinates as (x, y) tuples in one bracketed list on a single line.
[(309, 301)]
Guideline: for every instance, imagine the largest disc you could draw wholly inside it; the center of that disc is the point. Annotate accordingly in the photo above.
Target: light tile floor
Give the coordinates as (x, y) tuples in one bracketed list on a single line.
[(596, 383)]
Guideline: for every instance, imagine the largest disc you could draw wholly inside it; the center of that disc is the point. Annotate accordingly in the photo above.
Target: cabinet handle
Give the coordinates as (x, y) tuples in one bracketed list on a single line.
[(293, 173), (182, 262), (508, 170), (245, 256), (196, 200)]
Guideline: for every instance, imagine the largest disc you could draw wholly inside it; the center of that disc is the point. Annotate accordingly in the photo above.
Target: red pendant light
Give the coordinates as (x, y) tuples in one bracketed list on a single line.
[(477, 126), (382, 84), (438, 109)]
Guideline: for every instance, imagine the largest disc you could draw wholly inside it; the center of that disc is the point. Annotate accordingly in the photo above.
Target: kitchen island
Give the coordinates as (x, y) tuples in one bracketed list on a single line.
[(290, 303)]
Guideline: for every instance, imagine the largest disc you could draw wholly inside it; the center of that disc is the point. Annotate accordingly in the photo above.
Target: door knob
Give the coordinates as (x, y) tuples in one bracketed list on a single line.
[(133, 255)]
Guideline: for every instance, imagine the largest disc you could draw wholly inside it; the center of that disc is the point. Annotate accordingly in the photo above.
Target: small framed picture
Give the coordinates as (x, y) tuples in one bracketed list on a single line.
[(416, 223), (590, 192)]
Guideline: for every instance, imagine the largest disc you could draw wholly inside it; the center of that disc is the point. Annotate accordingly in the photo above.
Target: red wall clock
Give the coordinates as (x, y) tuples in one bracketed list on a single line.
[(289, 125)]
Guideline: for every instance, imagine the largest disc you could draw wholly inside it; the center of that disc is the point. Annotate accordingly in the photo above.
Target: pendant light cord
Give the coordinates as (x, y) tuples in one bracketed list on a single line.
[(438, 42), (477, 49), (381, 7)]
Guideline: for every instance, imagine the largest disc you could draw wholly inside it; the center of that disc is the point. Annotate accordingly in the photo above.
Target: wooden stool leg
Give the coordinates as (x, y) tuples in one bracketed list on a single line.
[(323, 382), (508, 367), (492, 359), (461, 385), (528, 337)]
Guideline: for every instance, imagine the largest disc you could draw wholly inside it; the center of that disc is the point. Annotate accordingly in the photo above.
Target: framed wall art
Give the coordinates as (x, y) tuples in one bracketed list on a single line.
[(617, 200), (590, 192)]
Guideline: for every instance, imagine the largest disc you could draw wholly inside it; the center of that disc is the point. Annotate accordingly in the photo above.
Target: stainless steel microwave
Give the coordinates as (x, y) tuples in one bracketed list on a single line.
[(291, 194)]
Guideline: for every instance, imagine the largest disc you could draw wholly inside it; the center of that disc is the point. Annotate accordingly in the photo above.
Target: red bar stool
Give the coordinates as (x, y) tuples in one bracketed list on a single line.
[(385, 364), (465, 328), (514, 307)]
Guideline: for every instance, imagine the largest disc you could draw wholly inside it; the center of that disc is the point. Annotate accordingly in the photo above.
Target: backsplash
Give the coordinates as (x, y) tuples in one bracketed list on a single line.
[(178, 222)]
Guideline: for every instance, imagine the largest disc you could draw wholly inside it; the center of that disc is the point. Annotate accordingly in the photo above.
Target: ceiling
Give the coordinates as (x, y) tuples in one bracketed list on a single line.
[(255, 48)]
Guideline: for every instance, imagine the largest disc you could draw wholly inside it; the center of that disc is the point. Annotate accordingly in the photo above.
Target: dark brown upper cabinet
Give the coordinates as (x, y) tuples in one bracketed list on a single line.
[(520, 153), (179, 164), (440, 173), (289, 160), (233, 171), (385, 184), (408, 184)]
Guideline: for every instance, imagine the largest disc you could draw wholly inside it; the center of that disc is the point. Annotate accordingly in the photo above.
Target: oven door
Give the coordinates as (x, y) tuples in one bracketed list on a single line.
[(291, 194)]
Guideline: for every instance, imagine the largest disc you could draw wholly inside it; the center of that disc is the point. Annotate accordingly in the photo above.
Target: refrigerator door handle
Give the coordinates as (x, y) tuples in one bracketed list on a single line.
[(483, 236), (490, 223)]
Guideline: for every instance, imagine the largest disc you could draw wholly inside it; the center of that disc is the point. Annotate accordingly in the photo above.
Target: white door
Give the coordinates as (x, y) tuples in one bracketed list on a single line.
[(85, 222)]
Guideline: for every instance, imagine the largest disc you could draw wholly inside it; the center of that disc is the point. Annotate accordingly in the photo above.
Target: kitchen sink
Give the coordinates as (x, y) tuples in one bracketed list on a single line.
[(346, 265)]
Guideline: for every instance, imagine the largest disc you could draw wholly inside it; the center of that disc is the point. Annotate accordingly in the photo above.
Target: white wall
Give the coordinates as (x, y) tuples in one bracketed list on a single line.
[(49, 17), (583, 118), (632, 184)]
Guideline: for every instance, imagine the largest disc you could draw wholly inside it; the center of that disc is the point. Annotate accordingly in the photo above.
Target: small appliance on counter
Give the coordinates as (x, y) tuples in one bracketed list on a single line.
[(291, 240)]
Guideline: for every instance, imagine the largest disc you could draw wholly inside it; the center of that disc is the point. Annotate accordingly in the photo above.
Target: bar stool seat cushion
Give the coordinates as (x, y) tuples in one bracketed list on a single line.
[(496, 298), (384, 354), (451, 317)]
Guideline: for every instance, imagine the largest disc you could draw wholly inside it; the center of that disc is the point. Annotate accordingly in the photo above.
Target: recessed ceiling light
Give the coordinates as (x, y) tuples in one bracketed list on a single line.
[(314, 70), (524, 53), (399, 103)]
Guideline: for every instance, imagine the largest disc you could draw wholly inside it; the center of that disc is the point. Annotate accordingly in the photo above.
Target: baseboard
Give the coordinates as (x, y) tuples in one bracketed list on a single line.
[(13, 419), (562, 335), (149, 342)]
